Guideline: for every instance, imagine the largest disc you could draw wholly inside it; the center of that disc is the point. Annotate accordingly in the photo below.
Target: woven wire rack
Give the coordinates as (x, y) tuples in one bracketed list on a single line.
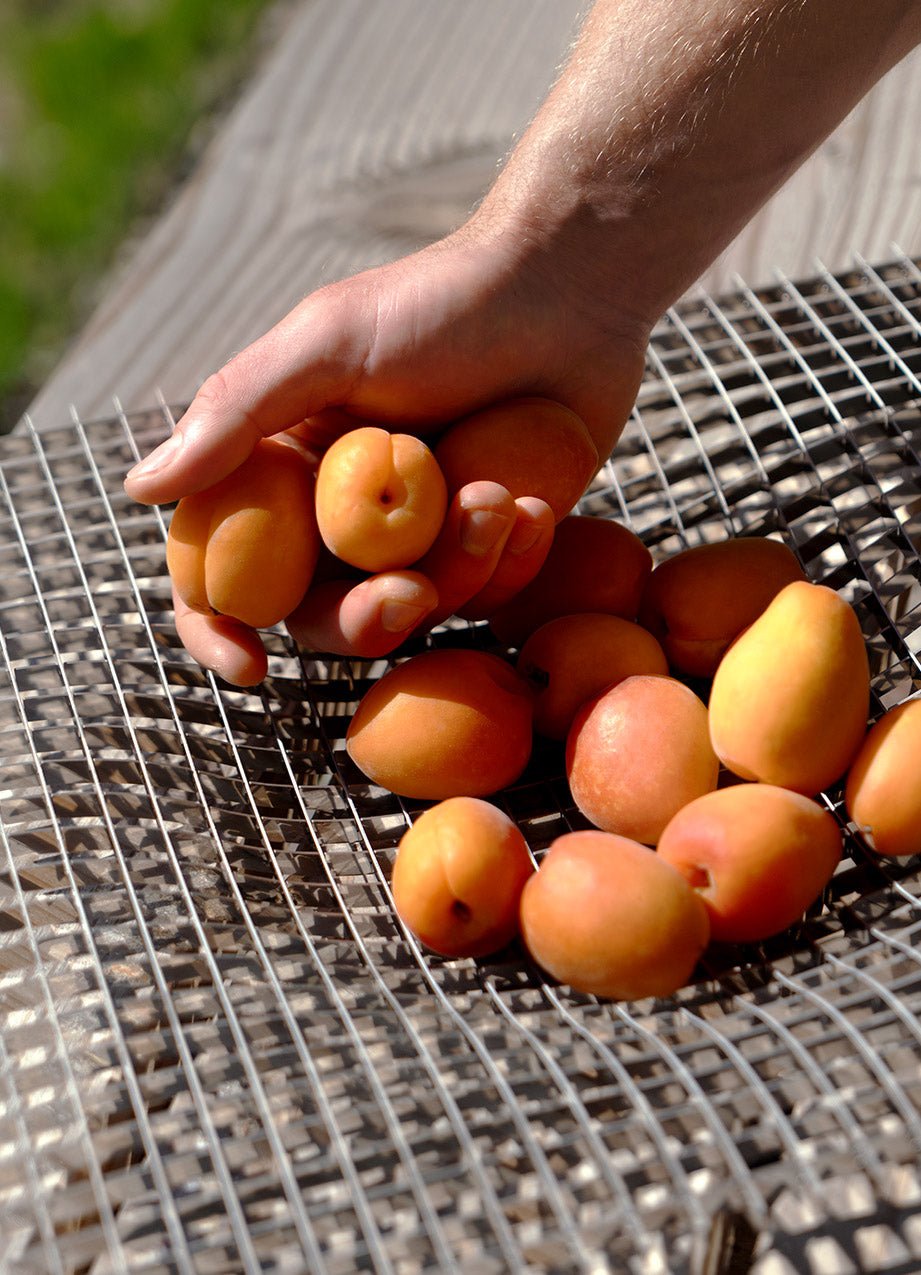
[(219, 1049)]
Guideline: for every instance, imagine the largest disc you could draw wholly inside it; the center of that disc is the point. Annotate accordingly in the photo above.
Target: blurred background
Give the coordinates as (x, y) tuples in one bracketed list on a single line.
[(104, 106), (176, 174)]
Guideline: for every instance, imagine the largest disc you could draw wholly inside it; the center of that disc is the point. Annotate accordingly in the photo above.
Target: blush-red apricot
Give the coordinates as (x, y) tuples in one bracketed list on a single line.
[(758, 855), (639, 752), (609, 917)]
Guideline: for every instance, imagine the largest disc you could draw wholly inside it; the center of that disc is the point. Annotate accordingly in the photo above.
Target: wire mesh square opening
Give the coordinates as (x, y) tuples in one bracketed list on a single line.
[(219, 1048)]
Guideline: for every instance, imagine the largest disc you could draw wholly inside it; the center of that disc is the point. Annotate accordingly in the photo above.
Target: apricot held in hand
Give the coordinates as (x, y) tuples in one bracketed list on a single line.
[(883, 792), (381, 499), (698, 601), (637, 753), (446, 723), (458, 877), (609, 917), (790, 698), (574, 657), (532, 446), (594, 564), (247, 547), (757, 855)]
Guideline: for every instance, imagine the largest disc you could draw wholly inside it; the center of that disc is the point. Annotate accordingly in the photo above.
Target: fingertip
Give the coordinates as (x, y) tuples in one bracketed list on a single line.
[(363, 620), (227, 647), (534, 524), (209, 442), (523, 555)]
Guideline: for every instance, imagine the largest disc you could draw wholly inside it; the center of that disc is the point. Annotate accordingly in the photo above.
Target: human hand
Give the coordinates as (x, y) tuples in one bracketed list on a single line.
[(412, 345)]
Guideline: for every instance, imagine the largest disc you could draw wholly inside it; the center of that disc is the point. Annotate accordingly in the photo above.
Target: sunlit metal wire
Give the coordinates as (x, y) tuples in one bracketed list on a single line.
[(220, 1050)]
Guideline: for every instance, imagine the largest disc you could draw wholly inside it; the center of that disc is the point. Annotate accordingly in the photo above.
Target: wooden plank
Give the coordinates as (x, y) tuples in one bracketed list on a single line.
[(372, 128)]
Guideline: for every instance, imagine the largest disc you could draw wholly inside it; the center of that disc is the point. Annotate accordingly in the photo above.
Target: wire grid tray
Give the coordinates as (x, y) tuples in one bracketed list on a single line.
[(221, 1052)]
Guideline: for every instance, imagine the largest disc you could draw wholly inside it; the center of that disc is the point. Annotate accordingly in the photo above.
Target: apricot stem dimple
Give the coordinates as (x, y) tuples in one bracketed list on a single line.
[(461, 910)]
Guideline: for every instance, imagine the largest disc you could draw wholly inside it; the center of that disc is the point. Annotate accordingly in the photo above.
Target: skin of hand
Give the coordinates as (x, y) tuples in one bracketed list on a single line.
[(670, 125)]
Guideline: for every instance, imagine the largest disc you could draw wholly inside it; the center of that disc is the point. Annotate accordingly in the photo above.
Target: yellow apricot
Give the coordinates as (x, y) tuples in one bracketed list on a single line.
[(381, 499), (247, 547), (883, 790), (790, 698)]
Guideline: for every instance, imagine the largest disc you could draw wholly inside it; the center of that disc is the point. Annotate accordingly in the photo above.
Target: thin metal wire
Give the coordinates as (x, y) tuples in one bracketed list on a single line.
[(221, 1169), (554, 1196), (739, 1172), (293, 1193), (823, 1085), (294, 1083), (491, 1204)]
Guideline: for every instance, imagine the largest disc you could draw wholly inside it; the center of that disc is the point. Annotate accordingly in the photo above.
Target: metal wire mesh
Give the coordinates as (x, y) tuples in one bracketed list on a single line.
[(219, 1050)]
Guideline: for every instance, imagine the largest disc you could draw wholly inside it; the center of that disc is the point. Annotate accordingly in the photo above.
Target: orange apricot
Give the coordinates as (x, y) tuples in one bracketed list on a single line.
[(609, 917), (247, 547), (594, 564), (446, 723), (883, 790), (758, 856), (574, 657), (637, 753), (458, 877), (698, 601), (532, 446), (790, 698), (381, 499)]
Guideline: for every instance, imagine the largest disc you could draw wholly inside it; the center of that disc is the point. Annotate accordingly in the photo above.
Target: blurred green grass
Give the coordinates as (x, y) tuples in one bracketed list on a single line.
[(99, 103)]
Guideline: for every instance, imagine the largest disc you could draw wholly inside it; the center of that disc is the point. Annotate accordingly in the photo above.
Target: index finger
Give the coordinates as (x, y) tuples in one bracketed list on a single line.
[(302, 365)]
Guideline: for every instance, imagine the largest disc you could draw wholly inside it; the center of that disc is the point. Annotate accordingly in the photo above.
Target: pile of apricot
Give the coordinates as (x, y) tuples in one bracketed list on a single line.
[(704, 706)]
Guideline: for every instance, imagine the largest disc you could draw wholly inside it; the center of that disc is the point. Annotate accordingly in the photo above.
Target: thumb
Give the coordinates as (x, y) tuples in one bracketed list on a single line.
[(311, 359)]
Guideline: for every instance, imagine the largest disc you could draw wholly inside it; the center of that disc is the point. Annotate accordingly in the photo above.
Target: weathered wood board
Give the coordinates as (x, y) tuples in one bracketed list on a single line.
[(371, 128)]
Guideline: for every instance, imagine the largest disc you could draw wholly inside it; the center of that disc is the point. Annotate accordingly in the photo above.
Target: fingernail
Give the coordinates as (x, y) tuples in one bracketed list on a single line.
[(480, 530), (397, 617), (524, 536), (160, 458)]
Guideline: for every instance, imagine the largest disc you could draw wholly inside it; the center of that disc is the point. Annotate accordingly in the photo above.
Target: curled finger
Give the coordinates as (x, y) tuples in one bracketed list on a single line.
[(364, 620), (228, 647)]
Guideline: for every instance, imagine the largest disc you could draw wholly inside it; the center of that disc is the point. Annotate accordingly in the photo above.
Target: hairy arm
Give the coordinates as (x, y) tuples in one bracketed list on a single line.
[(673, 122)]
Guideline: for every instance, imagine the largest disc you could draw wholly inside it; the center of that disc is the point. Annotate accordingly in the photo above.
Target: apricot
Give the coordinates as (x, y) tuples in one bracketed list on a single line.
[(532, 446), (248, 546), (757, 855), (446, 723), (609, 917), (574, 657), (698, 601), (594, 564), (790, 698), (883, 790), (637, 753), (381, 499), (458, 877)]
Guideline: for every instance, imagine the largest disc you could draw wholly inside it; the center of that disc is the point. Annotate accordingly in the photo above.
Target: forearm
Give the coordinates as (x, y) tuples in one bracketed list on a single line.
[(673, 122)]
